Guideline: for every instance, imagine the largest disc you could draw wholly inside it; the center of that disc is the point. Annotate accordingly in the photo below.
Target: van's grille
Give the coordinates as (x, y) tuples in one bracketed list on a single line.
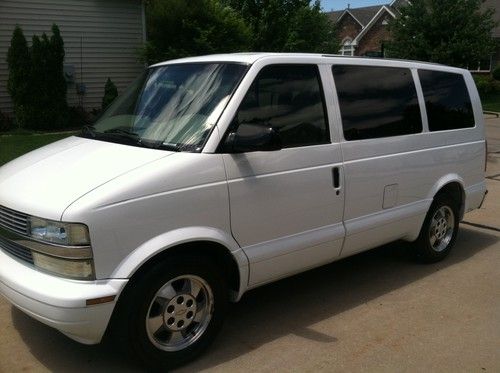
[(16, 250), (13, 220)]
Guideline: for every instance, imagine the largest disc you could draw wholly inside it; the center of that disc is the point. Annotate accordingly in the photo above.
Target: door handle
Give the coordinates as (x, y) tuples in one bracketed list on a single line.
[(336, 179)]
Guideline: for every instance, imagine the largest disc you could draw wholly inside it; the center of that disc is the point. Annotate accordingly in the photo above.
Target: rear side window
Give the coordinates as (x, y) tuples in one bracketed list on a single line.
[(290, 99), (447, 100), (377, 101)]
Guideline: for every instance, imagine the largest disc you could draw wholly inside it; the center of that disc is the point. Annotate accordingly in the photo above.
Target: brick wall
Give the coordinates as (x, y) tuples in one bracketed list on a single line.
[(375, 36), (348, 27)]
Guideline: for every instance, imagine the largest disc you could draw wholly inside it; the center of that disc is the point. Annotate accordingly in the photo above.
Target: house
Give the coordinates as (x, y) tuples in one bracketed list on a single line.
[(363, 31), (101, 39)]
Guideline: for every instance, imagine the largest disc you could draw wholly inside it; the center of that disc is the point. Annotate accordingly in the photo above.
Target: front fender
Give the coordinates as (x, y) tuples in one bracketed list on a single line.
[(138, 257)]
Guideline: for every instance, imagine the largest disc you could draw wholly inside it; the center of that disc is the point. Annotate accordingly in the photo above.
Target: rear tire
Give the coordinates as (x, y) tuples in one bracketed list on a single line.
[(439, 231), (172, 313)]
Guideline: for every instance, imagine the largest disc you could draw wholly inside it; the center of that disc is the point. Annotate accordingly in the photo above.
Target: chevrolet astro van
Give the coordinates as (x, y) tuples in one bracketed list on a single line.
[(214, 175)]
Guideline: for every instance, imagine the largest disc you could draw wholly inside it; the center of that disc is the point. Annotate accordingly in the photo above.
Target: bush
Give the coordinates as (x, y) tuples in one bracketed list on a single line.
[(36, 81), (6, 123), (78, 117), (496, 73), (18, 83), (486, 84), (110, 93), (180, 28)]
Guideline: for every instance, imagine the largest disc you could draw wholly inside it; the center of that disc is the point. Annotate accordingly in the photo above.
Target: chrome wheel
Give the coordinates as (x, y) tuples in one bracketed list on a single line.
[(441, 228), (179, 313)]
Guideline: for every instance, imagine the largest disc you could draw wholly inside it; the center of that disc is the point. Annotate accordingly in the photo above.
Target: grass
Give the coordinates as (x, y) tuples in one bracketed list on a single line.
[(491, 102), (16, 144)]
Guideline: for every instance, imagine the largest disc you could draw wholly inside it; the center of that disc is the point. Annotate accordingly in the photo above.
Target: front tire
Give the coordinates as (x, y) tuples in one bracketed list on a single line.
[(439, 231), (172, 313)]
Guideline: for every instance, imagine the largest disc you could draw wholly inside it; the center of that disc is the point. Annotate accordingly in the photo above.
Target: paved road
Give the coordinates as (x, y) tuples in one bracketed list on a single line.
[(377, 311)]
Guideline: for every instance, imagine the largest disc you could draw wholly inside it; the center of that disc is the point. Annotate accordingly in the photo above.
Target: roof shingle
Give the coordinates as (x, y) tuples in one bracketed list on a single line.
[(363, 15)]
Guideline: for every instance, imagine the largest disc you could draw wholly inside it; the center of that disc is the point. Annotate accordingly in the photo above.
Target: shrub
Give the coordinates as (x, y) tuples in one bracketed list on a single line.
[(36, 81), (57, 86), (110, 93), (78, 117), (180, 28), (6, 123), (496, 73), (485, 84), (18, 83)]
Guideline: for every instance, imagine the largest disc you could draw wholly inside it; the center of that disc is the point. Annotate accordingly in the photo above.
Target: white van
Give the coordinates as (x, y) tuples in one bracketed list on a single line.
[(213, 175)]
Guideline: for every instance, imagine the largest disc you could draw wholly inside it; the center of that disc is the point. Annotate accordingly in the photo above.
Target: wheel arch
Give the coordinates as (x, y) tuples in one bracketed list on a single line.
[(196, 241), (453, 186)]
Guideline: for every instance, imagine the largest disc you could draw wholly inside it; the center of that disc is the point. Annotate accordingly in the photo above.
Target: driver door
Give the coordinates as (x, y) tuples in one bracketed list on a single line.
[(286, 205)]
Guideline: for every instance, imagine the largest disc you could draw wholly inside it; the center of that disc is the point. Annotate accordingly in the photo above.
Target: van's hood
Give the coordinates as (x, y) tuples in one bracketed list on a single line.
[(46, 181)]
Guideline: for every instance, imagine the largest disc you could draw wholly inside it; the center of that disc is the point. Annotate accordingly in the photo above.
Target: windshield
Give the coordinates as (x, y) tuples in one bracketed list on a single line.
[(171, 107)]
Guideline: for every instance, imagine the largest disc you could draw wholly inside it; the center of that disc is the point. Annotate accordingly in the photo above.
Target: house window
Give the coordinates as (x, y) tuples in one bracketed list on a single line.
[(481, 66), (347, 48)]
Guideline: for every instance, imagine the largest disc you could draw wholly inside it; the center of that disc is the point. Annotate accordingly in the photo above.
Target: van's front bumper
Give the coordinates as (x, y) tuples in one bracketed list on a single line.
[(58, 302)]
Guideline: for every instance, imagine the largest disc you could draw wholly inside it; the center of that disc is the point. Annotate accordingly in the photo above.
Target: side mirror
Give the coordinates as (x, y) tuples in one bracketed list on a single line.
[(252, 138)]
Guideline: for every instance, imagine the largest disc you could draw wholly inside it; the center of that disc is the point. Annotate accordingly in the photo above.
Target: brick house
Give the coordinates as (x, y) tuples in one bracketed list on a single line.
[(363, 31)]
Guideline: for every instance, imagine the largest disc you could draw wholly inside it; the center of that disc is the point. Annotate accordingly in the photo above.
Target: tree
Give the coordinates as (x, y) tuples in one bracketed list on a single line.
[(288, 25), (179, 28), (312, 31), (19, 64), (39, 104), (45, 106), (58, 87), (452, 32), (110, 93)]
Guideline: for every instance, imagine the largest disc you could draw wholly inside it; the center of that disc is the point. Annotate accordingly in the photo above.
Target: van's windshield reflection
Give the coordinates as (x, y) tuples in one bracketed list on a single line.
[(171, 107)]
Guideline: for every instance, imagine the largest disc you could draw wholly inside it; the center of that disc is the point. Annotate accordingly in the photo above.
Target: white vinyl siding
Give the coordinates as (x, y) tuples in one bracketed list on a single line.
[(112, 31)]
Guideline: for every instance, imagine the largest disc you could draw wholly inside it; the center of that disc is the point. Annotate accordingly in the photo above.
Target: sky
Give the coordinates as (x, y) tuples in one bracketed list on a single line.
[(328, 5)]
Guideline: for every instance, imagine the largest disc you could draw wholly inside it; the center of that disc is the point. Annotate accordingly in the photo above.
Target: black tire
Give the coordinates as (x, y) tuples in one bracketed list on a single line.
[(129, 322), (427, 252)]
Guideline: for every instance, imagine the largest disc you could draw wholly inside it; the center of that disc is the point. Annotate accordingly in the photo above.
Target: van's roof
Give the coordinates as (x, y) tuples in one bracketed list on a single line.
[(252, 57)]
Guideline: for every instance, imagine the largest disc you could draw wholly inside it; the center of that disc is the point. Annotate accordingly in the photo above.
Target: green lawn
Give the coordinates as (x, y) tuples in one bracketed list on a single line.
[(492, 102), (15, 145)]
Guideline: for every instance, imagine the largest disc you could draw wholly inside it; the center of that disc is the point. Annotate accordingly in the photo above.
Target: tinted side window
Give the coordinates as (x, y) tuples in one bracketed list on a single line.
[(447, 100), (377, 101), (288, 98)]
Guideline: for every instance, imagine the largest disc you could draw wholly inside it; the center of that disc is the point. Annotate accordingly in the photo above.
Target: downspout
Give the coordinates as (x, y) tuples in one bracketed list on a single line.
[(143, 15), (144, 31)]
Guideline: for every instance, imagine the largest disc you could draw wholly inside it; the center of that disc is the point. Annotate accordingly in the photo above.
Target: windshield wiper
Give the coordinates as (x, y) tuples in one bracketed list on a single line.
[(114, 134), (169, 146), (123, 132)]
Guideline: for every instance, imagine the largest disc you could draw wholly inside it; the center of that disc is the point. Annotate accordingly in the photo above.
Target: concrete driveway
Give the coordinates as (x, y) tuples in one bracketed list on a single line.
[(377, 311)]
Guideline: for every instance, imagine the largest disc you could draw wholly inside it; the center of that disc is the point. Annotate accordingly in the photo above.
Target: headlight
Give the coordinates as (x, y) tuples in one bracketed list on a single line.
[(61, 248), (76, 269), (59, 233)]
